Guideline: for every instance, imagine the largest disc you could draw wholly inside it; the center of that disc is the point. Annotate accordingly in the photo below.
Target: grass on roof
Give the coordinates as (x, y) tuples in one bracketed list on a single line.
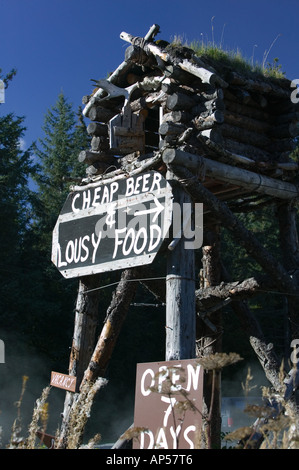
[(233, 59)]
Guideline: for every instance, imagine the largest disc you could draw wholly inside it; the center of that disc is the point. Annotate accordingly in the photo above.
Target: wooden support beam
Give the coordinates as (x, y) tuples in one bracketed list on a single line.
[(180, 292), (231, 174)]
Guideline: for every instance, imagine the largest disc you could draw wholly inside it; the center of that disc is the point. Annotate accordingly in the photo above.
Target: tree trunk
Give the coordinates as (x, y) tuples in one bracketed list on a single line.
[(211, 341)]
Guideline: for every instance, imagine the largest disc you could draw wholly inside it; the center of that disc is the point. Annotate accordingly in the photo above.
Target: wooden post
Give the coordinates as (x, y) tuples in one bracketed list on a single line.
[(180, 291), (86, 319)]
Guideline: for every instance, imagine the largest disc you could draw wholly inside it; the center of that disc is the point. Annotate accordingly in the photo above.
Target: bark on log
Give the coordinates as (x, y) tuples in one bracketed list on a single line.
[(214, 135), (240, 120), (244, 110), (250, 151), (179, 101), (177, 116), (200, 123), (245, 136), (97, 113), (99, 144), (220, 171), (89, 157), (97, 129), (98, 168), (210, 296), (171, 128), (258, 85)]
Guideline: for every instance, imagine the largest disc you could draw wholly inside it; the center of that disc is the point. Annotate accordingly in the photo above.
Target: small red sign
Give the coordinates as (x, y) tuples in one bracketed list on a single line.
[(67, 382)]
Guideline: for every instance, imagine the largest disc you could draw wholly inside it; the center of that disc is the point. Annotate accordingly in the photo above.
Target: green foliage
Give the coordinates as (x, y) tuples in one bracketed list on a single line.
[(57, 154), (8, 77), (15, 168)]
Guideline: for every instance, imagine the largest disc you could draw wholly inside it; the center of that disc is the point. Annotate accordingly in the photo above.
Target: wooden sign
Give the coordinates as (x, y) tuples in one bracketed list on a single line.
[(46, 439), (67, 382), (168, 404), (105, 227)]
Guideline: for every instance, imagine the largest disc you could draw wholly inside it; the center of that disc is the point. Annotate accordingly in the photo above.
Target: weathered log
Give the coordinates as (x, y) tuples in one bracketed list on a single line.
[(220, 171), (245, 122), (245, 136), (248, 150), (194, 68), (175, 73), (152, 161), (171, 128), (138, 104), (99, 144), (98, 168), (214, 104), (201, 123), (214, 135), (97, 129), (89, 157), (185, 136), (177, 116), (209, 296), (136, 55), (97, 113), (218, 93), (207, 108), (244, 110), (179, 101), (259, 85)]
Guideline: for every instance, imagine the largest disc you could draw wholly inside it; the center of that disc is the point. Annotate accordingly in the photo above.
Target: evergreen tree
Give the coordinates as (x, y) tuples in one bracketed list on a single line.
[(15, 168), (57, 154), (81, 141), (55, 163)]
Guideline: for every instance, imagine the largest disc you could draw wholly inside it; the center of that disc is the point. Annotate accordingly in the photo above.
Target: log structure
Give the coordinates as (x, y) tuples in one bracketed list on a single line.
[(226, 137)]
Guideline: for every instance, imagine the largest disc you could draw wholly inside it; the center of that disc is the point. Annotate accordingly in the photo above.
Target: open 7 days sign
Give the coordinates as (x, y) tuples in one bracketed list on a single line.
[(105, 227), (168, 405)]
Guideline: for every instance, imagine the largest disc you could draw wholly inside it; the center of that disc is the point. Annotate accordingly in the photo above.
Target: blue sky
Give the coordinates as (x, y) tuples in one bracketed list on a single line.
[(60, 45)]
